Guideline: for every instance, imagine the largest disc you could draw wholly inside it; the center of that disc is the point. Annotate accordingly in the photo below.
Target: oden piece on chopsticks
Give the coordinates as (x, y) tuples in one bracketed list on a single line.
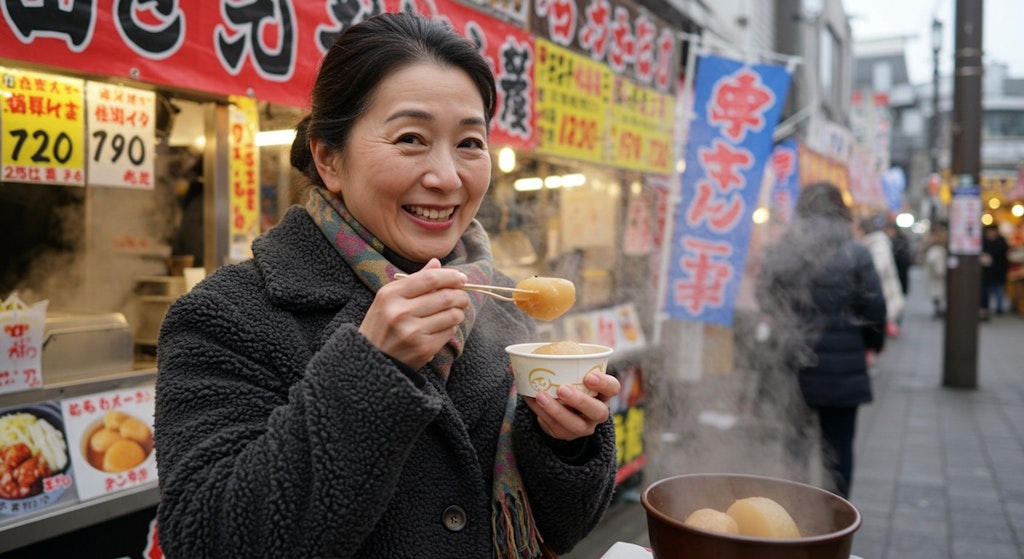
[(540, 297)]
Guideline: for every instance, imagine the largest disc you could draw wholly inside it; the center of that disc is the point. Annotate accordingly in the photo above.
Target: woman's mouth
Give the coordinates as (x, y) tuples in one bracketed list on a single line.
[(431, 214)]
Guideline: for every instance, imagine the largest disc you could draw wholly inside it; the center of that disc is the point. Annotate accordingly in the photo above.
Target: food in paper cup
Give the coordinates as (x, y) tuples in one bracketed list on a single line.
[(555, 364)]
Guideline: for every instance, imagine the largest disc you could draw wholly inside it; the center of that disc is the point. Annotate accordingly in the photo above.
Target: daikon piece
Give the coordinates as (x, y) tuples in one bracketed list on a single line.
[(563, 347), (762, 517), (552, 297), (712, 520)]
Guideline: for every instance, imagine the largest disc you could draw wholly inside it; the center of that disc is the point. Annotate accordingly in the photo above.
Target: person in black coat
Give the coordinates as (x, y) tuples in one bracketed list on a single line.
[(995, 266), (309, 404), (820, 285)]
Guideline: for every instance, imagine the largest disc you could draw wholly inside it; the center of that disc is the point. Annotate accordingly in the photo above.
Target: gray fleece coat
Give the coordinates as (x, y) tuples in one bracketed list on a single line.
[(282, 432)]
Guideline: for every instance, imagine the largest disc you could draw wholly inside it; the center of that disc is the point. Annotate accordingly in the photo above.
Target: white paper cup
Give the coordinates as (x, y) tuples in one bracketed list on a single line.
[(537, 373)]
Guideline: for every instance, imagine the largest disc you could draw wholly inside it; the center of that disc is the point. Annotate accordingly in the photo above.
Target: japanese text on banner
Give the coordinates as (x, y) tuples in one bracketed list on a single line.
[(21, 344), (736, 108), (43, 125)]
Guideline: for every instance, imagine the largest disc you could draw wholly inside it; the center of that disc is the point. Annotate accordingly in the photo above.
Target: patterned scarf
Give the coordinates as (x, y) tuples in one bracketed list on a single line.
[(513, 530)]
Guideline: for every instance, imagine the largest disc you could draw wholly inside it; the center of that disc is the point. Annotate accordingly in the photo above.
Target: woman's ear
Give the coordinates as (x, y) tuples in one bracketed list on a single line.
[(328, 164)]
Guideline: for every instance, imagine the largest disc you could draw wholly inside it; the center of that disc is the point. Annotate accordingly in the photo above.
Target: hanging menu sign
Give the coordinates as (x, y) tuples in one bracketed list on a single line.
[(243, 169), (573, 94), (43, 128), (121, 136)]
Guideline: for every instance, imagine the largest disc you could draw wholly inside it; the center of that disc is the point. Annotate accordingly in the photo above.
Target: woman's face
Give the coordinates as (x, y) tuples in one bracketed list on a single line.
[(416, 166)]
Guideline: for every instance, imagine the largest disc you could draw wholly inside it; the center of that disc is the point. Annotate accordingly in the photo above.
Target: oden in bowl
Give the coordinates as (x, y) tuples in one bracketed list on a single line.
[(545, 372), (826, 521)]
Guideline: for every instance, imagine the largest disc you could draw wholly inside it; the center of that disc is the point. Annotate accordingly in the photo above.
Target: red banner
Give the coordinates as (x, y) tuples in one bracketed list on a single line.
[(267, 49)]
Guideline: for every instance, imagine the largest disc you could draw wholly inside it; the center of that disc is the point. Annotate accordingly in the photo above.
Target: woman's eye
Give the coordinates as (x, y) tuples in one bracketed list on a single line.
[(472, 143), (409, 139)]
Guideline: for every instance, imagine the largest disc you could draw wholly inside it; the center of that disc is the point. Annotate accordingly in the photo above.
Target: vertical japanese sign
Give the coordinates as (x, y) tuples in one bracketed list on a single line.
[(21, 344), (43, 126), (784, 164), (121, 124), (110, 438), (965, 219), (736, 108), (243, 174), (573, 95), (642, 123)]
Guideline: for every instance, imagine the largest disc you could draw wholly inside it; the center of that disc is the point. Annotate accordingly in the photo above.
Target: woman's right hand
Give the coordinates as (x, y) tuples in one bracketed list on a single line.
[(412, 318)]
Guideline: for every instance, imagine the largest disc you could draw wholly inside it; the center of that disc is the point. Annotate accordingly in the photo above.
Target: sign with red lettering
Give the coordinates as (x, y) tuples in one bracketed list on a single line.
[(266, 50), (122, 138), (243, 174), (631, 40), (736, 108), (110, 435), (21, 344), (573, 96)]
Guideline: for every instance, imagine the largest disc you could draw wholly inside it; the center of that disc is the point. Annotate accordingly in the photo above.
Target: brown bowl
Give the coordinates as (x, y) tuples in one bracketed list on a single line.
[(826, 521)]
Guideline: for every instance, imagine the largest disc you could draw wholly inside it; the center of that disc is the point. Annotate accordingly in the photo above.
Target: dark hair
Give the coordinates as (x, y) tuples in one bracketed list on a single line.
[(824, 200), (364, 55)]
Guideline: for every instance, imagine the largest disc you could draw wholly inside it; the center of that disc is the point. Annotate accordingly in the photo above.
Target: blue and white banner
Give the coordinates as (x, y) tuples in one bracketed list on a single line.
[(736, 108), (785, 161)]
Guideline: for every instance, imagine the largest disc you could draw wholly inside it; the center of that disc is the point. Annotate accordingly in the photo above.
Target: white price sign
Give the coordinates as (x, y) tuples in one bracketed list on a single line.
[(121, 135)]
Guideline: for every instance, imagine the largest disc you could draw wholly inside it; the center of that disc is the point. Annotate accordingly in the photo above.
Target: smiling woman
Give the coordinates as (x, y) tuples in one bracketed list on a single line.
[(333, 412)]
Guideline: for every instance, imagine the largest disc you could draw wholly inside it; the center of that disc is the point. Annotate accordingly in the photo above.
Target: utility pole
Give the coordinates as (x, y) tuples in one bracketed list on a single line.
[(963, 277), (933, 151)]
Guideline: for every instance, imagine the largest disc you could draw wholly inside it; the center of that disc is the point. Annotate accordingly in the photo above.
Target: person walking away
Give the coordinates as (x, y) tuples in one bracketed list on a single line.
[(901, 255), (995, 267), (873, 236), (308, 404), (818, 282), (935, 269)]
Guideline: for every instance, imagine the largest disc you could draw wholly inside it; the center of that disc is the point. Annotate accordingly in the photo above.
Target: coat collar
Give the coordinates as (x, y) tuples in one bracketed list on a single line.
[(301, 268)]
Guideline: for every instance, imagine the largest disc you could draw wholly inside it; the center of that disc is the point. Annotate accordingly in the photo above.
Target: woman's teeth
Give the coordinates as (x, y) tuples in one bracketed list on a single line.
[(430, 213)]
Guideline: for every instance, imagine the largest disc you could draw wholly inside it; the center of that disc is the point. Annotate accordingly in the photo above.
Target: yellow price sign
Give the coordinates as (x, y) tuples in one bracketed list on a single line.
[(42, 118), (244, 172)]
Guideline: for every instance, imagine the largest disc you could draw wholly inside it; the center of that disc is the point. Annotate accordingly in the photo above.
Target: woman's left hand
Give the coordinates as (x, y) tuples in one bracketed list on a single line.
[(574, 413)]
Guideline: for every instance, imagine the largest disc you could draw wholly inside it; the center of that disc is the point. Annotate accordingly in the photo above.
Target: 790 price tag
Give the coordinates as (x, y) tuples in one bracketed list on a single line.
[(121, 136)]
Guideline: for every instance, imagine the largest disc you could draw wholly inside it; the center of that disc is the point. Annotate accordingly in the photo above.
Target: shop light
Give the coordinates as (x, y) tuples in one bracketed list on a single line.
[(905, 220), (573, 180), (680, 166), (993, 203), (275, 137), (553, 181), (506, 159), (761, 215), (1017, 210), (987, 219), (528, 184)]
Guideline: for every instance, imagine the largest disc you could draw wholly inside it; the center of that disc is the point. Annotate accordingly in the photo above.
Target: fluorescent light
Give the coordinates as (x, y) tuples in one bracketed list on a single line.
[(531, 183), (275, 137), (574, 179), (506, 159)]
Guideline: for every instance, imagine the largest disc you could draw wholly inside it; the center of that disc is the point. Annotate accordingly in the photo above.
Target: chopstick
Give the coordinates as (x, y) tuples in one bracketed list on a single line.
[(486, 289)]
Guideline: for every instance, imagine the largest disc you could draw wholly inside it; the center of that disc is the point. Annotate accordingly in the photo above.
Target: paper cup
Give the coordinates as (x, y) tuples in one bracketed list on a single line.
[(536, 373)]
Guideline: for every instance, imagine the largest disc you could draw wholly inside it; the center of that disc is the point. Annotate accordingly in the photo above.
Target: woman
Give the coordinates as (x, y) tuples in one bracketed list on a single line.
[(821, 284), (310, 406)]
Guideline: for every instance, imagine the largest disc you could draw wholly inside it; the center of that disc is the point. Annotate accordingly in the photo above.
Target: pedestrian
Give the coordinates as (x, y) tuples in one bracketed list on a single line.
[(935, 269), (818, 282), (873, 236), (995, 267), (309, 405), (901, 255)]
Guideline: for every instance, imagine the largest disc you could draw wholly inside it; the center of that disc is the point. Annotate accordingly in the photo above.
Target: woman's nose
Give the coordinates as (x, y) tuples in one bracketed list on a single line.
[(443, 172)]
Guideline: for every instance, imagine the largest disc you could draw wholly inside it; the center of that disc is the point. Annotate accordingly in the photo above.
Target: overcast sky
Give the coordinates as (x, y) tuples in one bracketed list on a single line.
[(1002, 32)]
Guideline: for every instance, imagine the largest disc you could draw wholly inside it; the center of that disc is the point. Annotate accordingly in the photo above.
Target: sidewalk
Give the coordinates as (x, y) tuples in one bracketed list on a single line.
[(939, 472)]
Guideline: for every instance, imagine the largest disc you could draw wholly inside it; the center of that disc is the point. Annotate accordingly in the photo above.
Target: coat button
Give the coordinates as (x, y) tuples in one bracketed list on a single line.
[(454, 518)]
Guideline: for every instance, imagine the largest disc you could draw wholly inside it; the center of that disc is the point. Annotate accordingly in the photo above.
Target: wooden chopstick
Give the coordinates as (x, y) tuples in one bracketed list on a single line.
[(484, 288)]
